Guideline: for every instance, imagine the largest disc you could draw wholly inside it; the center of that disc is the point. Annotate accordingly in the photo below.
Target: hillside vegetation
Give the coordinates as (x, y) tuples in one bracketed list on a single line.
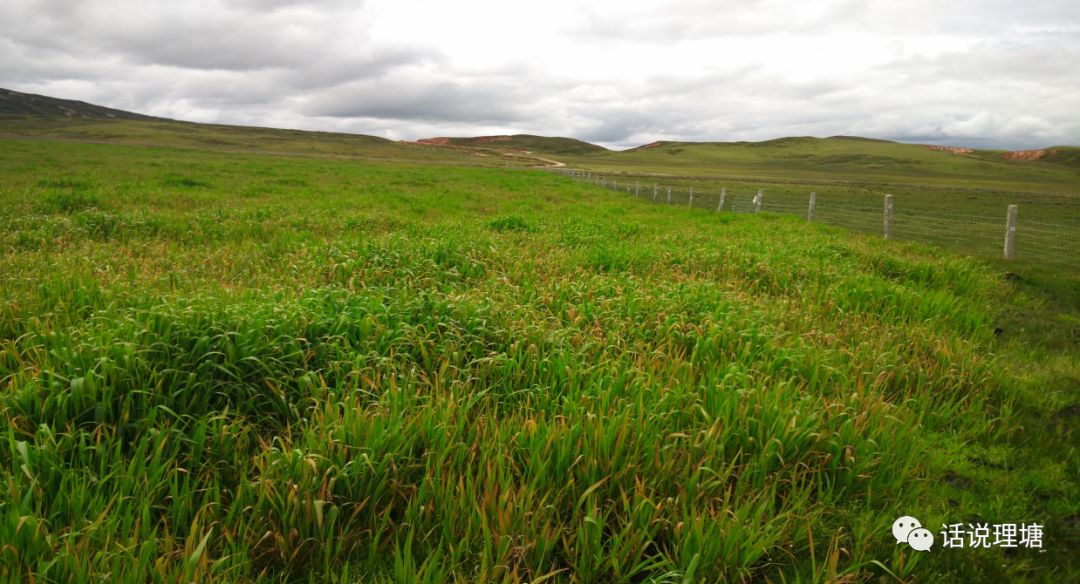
[(842, 158), (167, 133), (526, 142), (221, 366), (1067, 155), (839, 159), (15, 104)]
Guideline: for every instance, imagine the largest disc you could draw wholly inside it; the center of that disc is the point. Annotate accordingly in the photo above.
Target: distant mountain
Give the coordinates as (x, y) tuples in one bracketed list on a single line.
[(522, 142), (848, 152), (17, 104)]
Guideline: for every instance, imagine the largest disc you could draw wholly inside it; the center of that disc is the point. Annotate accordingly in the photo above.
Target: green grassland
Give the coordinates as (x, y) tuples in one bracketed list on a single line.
[(969, 221), (958, 201), (990, 201), (851, 159), (236, 139), (387, 363), (528, 142)]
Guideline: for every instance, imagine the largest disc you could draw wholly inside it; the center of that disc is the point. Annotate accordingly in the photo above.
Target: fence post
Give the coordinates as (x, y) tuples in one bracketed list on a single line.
[(810, 212), (720, 205), (757, 200), (888, 216), (637, 188), (669, 195), (691, 204), (1010, 233), (654, 192)]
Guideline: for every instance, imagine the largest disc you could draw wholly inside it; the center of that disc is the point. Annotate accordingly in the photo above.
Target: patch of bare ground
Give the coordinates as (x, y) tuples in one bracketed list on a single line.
[(952, 149), (1025, 154)]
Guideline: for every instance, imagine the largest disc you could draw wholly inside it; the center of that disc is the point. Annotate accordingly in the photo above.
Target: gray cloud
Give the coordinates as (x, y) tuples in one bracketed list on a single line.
[(986, 73), (424, 95)]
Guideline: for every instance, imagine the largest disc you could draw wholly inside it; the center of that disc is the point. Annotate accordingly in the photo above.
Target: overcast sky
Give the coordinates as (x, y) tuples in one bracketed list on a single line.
[(994, 73)]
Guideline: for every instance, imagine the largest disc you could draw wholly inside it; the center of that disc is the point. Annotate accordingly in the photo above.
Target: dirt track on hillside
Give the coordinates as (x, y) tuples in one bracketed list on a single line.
[(519, 154)]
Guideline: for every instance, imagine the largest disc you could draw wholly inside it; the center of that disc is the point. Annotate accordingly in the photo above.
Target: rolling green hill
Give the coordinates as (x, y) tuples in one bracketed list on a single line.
[(523, 142), (15, 104), (1067, 155), (173, 134), (840, 158), (27, 116)]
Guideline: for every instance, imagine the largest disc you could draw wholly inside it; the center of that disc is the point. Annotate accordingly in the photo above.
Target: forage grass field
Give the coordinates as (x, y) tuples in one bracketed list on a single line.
[(858, 160), (958, 201), (230, 367), (966, 221)]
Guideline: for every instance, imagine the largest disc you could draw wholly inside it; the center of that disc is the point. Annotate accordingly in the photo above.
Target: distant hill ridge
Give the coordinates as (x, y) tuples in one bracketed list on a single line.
[(1066, 155), (524, 142), (18, 104)]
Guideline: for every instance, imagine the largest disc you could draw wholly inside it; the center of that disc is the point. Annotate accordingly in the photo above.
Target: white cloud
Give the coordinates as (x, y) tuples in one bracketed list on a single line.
[(986, 72)]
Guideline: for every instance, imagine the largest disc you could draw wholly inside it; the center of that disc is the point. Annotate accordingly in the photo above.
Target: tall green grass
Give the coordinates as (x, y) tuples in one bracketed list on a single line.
[(311, 370)]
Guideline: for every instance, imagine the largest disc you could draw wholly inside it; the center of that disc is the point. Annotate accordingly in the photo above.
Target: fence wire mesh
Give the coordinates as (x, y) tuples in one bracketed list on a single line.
[(1036, 241)]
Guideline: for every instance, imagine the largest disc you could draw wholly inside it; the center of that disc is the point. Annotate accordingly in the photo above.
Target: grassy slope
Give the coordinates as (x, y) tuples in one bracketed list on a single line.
[(540, 144), (1067, 155), (17, 104), (850, 159), (241, 139), (218, 366), (952, 200)]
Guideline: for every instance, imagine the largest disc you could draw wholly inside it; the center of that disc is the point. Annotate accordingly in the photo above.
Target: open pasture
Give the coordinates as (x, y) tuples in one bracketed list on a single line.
[(224, 366)]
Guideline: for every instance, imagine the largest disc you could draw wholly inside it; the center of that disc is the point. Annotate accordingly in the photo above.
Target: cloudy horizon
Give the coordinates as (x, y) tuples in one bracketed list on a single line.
[(989, 73)]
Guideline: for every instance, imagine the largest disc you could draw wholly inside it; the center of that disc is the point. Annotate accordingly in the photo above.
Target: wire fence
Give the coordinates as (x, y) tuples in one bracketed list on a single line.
[(981, 235)]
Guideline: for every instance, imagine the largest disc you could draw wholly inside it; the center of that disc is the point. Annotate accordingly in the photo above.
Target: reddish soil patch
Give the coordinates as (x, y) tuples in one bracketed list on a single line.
[(1025, 154)]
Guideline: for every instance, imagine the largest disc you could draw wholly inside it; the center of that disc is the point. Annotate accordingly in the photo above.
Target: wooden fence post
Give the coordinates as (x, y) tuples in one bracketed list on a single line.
[(757, 200), (1010, 232), (654, 192), (637, 188), (810, 211), (669, 195), (691, 204), (888, 216), (720, 205)]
